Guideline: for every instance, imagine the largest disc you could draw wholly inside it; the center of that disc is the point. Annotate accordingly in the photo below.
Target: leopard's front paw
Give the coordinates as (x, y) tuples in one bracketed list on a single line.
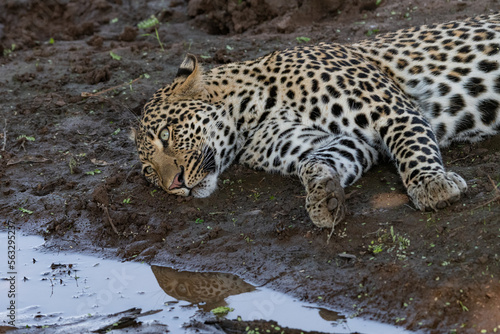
[(325, 202), (437, 191)]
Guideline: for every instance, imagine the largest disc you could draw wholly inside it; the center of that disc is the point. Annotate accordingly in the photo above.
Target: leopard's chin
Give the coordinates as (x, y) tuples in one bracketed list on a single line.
[(205, 187)]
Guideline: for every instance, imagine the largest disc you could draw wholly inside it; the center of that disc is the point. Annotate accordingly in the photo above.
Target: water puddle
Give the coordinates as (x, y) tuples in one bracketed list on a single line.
[(58, 288)]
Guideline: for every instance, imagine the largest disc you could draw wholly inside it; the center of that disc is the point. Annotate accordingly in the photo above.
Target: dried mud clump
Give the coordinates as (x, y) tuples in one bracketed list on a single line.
[(98, 75), (128, 34), (59, 20), (221, 17)]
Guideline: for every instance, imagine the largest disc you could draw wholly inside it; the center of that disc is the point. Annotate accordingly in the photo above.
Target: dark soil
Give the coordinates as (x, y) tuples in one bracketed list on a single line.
[(81, 172)]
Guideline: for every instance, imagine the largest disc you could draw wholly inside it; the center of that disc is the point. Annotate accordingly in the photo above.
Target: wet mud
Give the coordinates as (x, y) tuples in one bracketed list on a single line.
[(73, 79)]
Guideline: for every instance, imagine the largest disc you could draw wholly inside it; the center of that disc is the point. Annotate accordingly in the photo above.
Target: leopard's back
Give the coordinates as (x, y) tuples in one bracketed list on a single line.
[(450, 70)]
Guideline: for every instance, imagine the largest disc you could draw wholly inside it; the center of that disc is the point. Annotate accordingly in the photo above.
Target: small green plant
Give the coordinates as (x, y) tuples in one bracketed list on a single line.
[(93, 172), (391, 241), (117, 131), (51, 41), (372, 32), (199, 221), (222, 311), (28, 138), (375, 248), (464, 308), (7, 52), (152, 192), (398, 240), (256, 196), (188, 44), (23, 210), (72, 165), (247, 238), (126, 201), (150, 23), (303, 39), (115, 56)]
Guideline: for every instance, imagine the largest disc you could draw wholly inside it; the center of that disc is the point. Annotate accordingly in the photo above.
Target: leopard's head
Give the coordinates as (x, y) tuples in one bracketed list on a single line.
[(183, 141)]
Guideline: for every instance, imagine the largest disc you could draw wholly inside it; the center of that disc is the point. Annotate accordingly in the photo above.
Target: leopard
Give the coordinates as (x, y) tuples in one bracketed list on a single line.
[(327, 113), (208, 290)]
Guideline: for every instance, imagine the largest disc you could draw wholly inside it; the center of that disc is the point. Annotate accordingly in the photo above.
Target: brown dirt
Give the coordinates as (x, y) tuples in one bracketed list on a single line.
[(81, 169)]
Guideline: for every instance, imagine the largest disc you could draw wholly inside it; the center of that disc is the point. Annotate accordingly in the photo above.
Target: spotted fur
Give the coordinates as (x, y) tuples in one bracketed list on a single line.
[(326, 113), (208, 290)]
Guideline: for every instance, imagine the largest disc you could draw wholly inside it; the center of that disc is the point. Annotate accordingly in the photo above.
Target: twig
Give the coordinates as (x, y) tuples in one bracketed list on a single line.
[(105, 208), (87, 94), (369, 233), (347, 196), (453, 161), (333, 226), (52, 287), (494, 199), (4, 134), (409, 206), (110, 221), (76, 277)]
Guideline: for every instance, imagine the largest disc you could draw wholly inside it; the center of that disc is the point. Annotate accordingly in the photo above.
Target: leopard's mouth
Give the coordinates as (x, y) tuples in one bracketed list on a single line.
[(178, 181), (178, 185), (197, 178)]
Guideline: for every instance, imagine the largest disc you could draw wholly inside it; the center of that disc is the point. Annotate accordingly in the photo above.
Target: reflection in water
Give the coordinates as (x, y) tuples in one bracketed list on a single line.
[(330, 315), (110, 287), (198, 288)]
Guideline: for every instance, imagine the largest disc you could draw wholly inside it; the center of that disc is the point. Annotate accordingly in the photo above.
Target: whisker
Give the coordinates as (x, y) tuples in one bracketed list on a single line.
[(207, 158)]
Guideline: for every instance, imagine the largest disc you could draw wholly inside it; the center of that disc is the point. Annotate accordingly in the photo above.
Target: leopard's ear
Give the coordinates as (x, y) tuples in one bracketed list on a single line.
[(188, 66), (188, 81)]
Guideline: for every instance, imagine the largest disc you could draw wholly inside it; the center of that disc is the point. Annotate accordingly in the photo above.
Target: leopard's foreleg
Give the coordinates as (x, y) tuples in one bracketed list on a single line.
[(337, 163)]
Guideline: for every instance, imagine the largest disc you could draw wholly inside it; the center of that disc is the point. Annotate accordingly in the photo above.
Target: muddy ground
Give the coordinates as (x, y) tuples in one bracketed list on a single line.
[(67, 166)]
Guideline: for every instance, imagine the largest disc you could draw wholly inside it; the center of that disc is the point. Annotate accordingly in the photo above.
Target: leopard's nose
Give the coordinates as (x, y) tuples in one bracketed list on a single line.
[(178, 181)]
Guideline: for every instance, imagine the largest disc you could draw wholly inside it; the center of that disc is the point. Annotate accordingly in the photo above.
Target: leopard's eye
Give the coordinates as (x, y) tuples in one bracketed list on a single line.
[(149, 170), (164, 134)]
